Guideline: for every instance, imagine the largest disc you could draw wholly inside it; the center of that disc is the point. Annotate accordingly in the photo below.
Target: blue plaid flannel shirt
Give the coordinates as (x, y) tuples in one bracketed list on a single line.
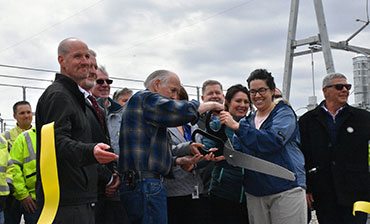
[(144, 143)]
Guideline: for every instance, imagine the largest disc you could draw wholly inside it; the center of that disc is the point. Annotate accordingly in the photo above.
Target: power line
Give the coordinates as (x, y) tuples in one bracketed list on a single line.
[(134, 89), (28, 68), (185, 27), (191, 86), (127, 79), (19, 86), (141, 81), (27, 78), (54, 71), (49, 27)]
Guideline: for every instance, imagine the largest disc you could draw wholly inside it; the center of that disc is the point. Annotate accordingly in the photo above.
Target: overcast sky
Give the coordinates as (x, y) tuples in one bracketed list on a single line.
[(199, 40)]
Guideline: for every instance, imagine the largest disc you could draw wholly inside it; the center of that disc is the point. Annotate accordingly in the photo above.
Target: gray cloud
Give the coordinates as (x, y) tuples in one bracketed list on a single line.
[(223, 40)]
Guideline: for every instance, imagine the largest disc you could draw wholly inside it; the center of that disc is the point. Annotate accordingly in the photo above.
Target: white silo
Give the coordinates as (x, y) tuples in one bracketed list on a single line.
[(361, 78)]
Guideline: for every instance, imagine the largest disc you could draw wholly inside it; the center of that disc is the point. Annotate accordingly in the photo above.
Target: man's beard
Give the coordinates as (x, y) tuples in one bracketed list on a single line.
[(90, 84)]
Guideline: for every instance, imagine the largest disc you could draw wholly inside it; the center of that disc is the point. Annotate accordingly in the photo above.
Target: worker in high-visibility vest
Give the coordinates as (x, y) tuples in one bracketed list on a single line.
[(23, 155), (5, 175), (23, 114)]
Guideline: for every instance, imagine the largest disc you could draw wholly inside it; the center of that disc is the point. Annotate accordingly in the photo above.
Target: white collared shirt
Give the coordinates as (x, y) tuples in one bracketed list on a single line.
[(86, 94), (336, 112)]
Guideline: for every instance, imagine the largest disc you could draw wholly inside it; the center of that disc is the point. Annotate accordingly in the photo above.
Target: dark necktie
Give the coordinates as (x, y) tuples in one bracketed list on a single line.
[(97, 109)]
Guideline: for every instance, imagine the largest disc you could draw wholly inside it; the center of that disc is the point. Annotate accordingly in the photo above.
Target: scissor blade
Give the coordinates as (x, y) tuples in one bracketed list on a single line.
[(249, 162)]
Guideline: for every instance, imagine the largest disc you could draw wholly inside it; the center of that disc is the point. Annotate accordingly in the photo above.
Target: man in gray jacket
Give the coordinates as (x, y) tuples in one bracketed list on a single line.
[(109, 209)]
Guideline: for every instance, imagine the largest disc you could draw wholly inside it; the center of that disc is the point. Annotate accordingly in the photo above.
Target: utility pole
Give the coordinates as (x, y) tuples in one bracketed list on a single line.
[(24, 92)]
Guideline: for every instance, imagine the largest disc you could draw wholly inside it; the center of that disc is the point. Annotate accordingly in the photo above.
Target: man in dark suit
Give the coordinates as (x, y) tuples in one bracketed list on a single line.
[(334, 138), (108, 178), (108, 208)]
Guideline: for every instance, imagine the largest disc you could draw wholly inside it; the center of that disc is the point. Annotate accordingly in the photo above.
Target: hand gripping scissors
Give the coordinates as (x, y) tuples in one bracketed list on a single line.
[(236, 158)]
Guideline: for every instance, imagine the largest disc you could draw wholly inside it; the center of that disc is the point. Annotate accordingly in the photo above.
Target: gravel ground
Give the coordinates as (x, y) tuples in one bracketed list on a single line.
[(314, 218)]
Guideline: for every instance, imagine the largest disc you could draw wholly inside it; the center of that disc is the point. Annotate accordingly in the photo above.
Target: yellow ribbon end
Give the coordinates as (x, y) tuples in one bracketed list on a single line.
[(49, 174), (361, 206)]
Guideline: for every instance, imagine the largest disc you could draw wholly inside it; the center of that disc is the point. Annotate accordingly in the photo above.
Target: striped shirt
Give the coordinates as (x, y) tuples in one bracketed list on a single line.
[(144, 144)]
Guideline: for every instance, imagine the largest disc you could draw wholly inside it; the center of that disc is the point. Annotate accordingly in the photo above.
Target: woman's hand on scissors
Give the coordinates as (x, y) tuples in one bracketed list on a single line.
[(228, 120), (210, 156)]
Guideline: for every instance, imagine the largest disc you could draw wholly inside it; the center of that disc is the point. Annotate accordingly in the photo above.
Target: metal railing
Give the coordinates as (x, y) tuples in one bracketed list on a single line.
[(26, 82)]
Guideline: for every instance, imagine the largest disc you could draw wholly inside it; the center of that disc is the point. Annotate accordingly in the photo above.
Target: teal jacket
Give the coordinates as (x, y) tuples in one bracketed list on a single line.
[(227, 180)]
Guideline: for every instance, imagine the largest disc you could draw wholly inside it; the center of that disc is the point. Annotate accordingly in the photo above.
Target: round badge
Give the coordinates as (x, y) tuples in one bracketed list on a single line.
[(350, 130)]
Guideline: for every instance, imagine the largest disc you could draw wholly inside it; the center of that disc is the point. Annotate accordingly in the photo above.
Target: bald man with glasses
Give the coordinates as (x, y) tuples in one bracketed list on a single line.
[(334, 141)]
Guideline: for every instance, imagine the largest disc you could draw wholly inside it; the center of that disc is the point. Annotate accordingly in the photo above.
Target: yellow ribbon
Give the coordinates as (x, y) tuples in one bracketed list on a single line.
[(361, 206), (49, 174)]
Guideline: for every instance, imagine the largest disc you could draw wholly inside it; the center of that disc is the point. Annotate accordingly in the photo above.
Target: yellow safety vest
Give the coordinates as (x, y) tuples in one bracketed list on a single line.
[(23, 155), (11, 135), (5, 168)]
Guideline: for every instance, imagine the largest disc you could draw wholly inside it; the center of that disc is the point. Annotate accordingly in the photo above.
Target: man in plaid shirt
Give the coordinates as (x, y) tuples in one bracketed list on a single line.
[(145, 155)]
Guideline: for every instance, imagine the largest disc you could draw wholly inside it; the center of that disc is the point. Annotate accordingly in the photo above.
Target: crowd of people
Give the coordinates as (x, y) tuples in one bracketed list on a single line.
[(133, 159)]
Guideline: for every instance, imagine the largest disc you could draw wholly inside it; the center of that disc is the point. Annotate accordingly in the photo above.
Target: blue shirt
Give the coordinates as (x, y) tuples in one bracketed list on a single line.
[(144, 144), (187, 132), (333, 121)]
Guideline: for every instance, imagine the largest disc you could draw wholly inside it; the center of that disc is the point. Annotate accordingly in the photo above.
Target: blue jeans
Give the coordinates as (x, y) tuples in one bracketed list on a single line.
[(146, 203)]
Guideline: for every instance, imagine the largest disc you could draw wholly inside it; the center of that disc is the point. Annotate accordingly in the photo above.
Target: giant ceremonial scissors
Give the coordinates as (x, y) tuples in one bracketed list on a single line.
[(236, 158)]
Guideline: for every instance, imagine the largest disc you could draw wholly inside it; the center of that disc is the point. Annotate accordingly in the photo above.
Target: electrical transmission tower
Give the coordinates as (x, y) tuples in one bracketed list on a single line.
[(320, 41)]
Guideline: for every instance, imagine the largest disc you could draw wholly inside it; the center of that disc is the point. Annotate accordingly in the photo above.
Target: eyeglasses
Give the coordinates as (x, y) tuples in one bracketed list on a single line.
[(261, 91), (278, 96), (101, 81), (340, 86)]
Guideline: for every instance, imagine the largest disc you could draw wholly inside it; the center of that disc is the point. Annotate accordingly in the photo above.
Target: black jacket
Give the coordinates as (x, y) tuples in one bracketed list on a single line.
[(341, 167), (63, 103)]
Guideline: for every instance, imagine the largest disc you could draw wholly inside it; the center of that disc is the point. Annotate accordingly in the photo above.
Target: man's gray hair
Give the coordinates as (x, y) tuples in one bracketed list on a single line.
[(92, 52), (103, 70), (335, 75), (121, 92), (162, 75)]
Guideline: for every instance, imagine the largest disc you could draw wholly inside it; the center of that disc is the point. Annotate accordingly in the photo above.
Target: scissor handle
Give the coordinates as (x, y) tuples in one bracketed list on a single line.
[(217, 140), (220, 133)]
